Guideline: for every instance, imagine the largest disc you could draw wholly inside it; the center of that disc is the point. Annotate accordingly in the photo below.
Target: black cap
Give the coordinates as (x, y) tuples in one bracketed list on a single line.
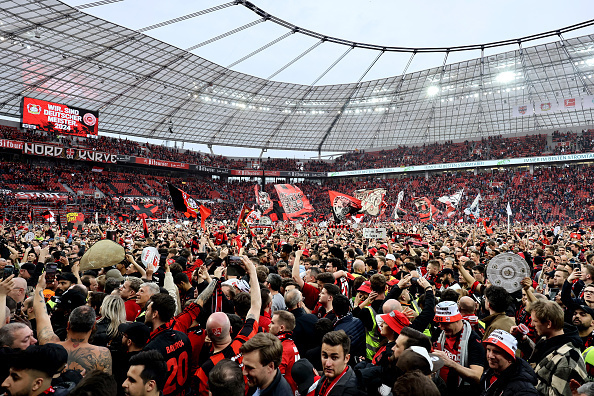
[(446, 271), (67, 276), (70, 299), (550, 274), (587, 310), (137, 332), (48, 358), (303, 374)]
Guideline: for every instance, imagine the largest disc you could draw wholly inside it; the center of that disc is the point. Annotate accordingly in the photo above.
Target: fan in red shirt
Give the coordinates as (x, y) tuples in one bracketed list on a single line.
[(220, 237), (282, 325)]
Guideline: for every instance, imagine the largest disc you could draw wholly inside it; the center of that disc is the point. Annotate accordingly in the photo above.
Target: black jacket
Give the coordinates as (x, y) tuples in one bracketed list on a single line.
[(517, 380), (346, 386), (279, 387), (304, 335)]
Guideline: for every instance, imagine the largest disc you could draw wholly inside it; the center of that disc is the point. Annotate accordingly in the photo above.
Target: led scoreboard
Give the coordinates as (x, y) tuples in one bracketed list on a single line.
[(59, 118)]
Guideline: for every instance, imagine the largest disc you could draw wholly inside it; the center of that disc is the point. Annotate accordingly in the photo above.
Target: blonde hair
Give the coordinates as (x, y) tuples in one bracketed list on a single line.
[(113, 308)]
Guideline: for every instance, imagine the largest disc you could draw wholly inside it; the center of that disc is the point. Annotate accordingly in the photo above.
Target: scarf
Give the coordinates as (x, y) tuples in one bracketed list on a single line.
[(462, 344), (327, 385), (217, 298), (285, 335)]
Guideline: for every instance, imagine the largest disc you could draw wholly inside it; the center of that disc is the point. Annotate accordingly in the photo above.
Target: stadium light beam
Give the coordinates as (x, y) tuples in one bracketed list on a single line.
[(505, 77), (432, 90)]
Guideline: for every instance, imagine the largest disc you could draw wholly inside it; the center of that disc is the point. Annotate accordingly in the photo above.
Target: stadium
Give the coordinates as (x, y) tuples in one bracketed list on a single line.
[(201, 224)]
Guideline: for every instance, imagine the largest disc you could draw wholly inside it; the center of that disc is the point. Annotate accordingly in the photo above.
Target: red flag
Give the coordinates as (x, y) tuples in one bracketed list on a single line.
[(425, 208), (245, 211), (204, 213), (343, 205), (294, 202)]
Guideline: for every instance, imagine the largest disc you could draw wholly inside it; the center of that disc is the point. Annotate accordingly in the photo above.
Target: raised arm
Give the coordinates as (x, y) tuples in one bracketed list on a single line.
[(256, 298), (5, 287), (296, 275), (45, 332)]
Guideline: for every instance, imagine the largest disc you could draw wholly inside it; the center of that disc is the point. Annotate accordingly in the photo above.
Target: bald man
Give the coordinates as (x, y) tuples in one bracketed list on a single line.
[(218, 330), (18, 292), (467, 307), (391, 305)]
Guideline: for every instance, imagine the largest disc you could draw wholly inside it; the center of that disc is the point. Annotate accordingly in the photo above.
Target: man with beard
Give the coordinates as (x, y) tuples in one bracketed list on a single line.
[(147, 375), (262, 356), (65, 280), (32, 370), (583, 320), (174, 346)]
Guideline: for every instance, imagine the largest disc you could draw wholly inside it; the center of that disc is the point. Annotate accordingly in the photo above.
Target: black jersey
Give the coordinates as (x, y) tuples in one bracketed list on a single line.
[(176, 348)]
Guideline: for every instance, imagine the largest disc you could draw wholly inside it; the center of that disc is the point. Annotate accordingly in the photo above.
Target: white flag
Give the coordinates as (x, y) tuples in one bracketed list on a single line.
[(588, 102), (522, 110), (397, 208), (546, 107), (454, 199), (474, 209), (509, 211)]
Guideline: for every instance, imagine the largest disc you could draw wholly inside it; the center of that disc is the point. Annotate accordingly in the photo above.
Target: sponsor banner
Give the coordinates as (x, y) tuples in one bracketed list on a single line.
[(552, 106), (272, 173), (43, 195), (11, 144), (209, 169), (124, 158), (50, 150), (246, 172), (5, 191), (59, 118), (300, 174), (156, 162), (468, 164)]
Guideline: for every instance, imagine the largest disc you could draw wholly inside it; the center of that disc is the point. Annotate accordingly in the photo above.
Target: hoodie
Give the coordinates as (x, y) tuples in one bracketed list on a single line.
[(517, 380)]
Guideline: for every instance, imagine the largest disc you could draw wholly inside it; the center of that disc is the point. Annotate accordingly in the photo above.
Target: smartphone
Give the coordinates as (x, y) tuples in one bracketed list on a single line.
[(8, 270), (50, 272), (234, 260)]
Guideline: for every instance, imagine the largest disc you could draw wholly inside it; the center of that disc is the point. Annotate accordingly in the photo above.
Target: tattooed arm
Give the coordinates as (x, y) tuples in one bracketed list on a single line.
[(85, 359), (45, 332)]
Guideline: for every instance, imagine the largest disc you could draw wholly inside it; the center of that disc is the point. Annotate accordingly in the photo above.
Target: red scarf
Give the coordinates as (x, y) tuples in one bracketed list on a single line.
[(285, 335), (328, 385)]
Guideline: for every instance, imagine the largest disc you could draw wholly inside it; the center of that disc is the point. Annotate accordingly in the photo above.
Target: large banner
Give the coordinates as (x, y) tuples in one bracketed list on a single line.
[(11, 144), (371, 200), (294, 202), (50, 150), (59, 118), (553, 106), (53, 196)]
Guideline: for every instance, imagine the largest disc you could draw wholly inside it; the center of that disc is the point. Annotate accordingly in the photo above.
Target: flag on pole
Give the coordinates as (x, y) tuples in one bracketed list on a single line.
[(474, 210), (204, 213), (49, 216), (509, 211), (397, 211), (451, 202), (183, 202)]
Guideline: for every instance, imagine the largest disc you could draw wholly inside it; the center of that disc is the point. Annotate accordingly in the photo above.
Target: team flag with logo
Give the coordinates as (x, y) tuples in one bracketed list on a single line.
[(523, 110), (425, 208), (268, 208), (451, 202), (343, 205), (183, 202), (372, 200), (294, 202)]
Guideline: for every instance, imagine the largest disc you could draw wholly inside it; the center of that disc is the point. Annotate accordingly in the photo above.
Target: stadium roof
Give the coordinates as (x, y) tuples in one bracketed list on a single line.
[(147, 88)]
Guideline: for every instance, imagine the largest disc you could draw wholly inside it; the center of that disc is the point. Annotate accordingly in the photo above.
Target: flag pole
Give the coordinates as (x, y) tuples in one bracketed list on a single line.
[(508, 223)]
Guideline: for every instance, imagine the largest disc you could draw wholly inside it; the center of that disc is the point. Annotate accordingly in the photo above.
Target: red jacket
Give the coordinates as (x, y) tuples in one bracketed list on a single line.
[(290, 356)]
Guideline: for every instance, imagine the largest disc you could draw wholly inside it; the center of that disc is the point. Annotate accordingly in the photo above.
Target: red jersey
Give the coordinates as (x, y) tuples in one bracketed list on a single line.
[(249, 329), (132, 309), (311, 295), (290, 356)]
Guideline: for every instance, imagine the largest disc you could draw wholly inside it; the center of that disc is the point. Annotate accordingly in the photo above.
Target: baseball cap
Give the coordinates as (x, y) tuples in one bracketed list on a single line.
[(304, 375), (447, 312), (396, 320), (67, 276), (136, 331), (503, 340), (115, 274), (384, 246), (373, 251), (70, 299), (418, 358), (587, 310), (390, 256), (365, 287)]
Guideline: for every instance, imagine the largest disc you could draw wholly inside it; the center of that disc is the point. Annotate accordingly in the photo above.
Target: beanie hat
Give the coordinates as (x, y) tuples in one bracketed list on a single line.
[(447, 312)]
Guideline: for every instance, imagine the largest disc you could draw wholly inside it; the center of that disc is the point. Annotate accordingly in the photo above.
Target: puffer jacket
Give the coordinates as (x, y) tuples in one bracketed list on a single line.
[(517, 380), (355, 329)]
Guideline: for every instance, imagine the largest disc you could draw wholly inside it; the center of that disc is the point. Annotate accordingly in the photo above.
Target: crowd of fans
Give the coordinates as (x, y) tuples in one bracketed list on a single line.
[(495, 147), (296, 311)]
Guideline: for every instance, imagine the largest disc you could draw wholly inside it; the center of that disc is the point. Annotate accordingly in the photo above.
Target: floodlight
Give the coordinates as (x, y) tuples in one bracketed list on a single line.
[(432, 90), (506, 77)]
